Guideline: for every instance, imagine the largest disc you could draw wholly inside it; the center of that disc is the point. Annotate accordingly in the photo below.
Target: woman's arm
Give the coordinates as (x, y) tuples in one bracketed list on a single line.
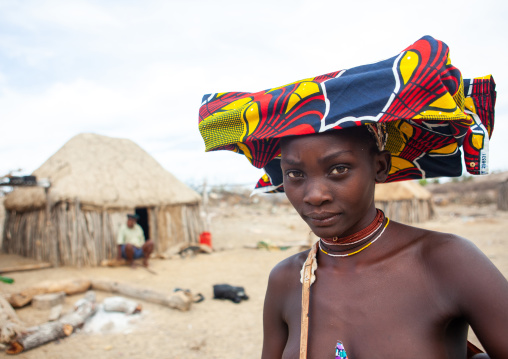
[(479, 290), (275, 331)]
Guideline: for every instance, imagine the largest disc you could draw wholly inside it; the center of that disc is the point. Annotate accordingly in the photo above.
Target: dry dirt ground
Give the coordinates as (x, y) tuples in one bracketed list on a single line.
[(215, 328)]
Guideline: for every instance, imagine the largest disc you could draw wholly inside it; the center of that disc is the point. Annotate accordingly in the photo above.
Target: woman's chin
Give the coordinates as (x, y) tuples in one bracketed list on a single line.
[(324, 232)]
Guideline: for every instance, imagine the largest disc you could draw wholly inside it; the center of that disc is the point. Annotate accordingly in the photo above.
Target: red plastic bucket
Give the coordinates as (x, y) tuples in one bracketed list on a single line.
[(206, 238)]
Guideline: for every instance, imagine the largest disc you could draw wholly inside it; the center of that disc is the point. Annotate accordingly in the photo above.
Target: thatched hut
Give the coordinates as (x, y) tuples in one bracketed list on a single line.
[(502, 196), (471, 190), (95, 181), (2, 218), (406, 202)]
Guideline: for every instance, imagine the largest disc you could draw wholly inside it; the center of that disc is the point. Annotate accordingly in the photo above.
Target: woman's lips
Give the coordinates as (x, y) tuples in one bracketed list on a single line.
[(322, 219)]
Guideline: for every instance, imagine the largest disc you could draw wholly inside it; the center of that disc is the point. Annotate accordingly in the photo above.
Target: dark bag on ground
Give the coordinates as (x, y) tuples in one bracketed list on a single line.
[(226, 291)]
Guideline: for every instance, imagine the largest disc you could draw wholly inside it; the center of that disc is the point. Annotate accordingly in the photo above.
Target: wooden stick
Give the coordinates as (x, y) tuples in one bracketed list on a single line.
[(25, 267), (47, 332), (83, 309), (18, 300), (177, 300), (10, 324), (149, 270), (304, 331)]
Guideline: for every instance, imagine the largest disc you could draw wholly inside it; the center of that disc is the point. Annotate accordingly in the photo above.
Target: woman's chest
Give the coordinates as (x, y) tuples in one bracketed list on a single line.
[(374, 313)]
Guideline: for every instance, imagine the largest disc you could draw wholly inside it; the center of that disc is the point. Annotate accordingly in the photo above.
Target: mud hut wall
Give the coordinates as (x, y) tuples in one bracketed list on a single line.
[(2, 219), (77, 235), (111, 223), (502, 196), (89, 236), (152, 223), (177, 224), (27, 234), (193, 222), (407, 211), (116, 219), (72, 237), (169, 227)]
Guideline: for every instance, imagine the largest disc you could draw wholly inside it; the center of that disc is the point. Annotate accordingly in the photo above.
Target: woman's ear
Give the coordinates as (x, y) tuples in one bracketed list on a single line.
[(383, 165)]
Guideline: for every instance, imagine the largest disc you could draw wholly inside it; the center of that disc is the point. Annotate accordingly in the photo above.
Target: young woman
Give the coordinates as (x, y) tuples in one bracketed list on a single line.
[(370, 287), (411, 294)]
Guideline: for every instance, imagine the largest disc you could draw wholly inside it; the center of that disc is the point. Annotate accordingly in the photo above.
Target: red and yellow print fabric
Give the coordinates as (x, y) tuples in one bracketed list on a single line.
[(429, 110)]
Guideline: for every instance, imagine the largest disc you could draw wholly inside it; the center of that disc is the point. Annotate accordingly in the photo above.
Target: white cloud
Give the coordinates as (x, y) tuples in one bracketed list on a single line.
[(71, 15), (139, 69)]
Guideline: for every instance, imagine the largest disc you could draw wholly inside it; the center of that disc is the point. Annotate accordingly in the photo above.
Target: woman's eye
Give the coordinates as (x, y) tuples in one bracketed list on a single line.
[(294, 174), (339, 170)]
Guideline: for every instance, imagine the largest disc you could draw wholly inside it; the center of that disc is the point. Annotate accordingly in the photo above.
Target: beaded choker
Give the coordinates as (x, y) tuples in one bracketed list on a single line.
[(361, 249), (360, 235)]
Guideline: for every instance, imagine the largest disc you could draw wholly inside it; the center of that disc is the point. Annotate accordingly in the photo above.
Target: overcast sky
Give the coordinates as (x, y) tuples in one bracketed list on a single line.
[(138, 69)]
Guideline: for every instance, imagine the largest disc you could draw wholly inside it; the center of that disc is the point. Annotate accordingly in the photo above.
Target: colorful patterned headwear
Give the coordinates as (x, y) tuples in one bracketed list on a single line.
[(428, 109)]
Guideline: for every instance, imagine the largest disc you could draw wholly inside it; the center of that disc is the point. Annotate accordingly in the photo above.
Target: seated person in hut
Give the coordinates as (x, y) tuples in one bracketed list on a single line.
[(131, 242), (380, 289)]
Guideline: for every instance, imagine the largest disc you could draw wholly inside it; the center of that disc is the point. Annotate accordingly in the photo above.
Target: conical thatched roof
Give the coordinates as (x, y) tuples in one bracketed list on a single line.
[(106, 172), (397, 191)]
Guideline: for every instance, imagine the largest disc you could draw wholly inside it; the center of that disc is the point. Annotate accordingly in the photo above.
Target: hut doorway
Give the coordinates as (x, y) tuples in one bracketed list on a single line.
[(142, 212)]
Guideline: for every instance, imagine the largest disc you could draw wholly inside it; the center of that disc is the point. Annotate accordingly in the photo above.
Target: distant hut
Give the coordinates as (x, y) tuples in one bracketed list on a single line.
[(406, 201), (502, 196), (95, 181), (2, 218)]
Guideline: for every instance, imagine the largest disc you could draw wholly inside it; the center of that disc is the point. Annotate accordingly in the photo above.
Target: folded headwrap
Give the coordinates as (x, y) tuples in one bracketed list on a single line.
[(418, 97)]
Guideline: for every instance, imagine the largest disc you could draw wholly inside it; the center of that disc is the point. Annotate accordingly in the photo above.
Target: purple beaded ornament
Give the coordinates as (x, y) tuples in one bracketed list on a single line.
[(340, 352)]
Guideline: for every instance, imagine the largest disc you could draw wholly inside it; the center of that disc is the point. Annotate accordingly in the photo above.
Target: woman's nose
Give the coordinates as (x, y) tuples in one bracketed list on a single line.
[(317, 193)]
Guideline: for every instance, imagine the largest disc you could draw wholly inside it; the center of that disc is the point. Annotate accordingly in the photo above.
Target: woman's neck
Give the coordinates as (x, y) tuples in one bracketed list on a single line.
[(356, 242)]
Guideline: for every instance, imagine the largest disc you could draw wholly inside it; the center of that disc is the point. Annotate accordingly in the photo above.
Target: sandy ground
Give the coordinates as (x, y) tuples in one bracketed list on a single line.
[(215, 328)]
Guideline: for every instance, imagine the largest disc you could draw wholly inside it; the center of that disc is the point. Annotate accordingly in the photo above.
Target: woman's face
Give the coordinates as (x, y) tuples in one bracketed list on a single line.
[(330, 178)]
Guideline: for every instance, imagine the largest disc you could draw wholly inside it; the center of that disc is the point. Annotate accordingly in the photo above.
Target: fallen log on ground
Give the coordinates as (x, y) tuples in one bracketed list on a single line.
[(70, 287), (51, 331), (177, 300), (48, 300), (42, 334), (114, 262), (25, 267), (121, 304), (83, 309), (10, 325), (55, 313)]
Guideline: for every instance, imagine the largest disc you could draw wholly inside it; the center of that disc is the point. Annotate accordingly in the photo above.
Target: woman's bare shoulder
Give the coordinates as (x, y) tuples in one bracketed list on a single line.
[(432, 242), (288, 268), (283, 283), (442, 246), (447, 255), (469, 284)]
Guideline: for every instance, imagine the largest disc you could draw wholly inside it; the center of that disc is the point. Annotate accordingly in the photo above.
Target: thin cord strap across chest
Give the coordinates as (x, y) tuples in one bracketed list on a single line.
[(306, 283)]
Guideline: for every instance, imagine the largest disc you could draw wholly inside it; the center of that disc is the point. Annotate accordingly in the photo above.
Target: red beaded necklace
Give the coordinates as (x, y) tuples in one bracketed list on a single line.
[(360, 235)]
